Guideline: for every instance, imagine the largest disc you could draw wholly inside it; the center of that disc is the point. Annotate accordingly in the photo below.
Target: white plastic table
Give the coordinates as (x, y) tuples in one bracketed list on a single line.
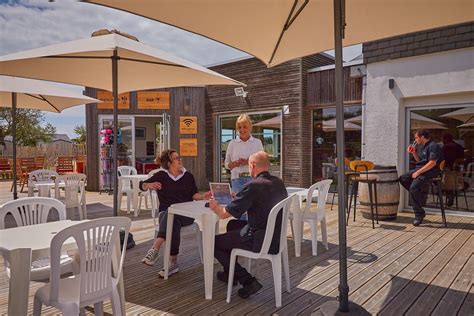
[(20, 244), (207, 220), (44, 187), (135, 178)]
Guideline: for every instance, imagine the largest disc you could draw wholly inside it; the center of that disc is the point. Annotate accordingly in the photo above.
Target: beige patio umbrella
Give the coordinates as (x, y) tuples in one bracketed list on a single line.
[(279, 30), (38, 95), (419, 121), (464, 114), (330, 126), (112, 62)]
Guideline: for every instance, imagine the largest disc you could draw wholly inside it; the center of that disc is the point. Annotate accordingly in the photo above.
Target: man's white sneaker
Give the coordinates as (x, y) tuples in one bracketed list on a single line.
[(174, 268), (151, 257)]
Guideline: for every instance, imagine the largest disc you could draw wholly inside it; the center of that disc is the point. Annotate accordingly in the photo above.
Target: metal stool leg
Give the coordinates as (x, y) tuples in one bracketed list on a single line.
[(376, 202), (355, 191), (440, 197), (369, 184)]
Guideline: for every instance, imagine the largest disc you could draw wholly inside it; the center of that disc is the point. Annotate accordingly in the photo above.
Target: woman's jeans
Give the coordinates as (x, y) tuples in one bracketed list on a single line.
[(178, 222)]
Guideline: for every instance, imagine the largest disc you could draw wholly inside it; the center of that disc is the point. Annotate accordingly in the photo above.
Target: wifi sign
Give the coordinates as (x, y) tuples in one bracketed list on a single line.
[(188, 121), (188, 125)]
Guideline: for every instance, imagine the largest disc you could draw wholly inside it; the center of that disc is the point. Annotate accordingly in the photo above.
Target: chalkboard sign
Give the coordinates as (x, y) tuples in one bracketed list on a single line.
[(150, 148)]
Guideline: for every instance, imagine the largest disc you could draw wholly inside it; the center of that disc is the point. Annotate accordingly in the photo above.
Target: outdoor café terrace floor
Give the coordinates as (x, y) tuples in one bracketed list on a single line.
[(393, 269)]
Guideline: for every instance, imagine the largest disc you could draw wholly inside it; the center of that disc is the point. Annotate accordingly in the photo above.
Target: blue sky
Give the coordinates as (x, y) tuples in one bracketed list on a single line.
[(27, 24)]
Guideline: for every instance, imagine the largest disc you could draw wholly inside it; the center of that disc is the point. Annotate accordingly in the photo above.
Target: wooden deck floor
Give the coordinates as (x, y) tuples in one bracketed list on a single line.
[(393, 269)]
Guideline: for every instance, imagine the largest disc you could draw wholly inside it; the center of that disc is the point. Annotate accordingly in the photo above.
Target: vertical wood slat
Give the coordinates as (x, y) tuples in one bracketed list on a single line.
[(178, 107)]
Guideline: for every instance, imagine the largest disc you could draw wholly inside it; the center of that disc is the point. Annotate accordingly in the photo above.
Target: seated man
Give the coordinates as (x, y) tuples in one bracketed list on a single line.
[(427, 168), (257, 198)]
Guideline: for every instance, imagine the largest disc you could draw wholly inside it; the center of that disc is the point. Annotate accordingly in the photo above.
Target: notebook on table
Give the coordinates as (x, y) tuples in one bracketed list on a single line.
[(221, 193)]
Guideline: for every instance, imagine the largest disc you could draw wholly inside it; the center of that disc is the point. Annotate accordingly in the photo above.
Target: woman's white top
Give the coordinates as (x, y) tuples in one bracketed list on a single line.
[(238, 149)]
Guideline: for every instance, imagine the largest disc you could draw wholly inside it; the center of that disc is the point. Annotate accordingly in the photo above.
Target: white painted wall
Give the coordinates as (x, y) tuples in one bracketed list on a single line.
[(441, 78)]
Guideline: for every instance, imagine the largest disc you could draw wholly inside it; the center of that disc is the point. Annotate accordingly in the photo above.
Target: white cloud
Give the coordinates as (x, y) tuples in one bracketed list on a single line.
[(28, 24)]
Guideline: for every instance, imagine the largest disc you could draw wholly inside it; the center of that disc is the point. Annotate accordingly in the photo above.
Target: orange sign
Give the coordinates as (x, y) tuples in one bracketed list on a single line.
[(153, 100), (188, 147), (108, 100), (188, 124)]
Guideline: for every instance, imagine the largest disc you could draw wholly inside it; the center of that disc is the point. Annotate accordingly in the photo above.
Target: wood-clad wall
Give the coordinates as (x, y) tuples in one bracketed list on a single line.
[(178, 107), (268, 89), (321, 88)]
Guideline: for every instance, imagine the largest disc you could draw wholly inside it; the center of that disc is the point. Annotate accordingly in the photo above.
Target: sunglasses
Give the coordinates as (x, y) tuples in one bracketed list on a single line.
[(176, 158)]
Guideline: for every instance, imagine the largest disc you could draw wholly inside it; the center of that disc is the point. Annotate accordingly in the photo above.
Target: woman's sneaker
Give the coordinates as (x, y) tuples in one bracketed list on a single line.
[(151, 257), (174, 268)]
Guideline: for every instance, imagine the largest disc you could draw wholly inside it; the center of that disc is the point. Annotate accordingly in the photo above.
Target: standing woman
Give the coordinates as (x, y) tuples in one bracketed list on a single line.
[(239, 151), (174, 185)]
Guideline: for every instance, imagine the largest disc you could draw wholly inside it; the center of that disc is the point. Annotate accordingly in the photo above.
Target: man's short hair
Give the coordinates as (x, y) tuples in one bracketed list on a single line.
[(423, 133)]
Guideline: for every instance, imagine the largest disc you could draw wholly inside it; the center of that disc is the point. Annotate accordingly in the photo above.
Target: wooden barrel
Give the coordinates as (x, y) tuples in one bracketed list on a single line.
[(388, 193)]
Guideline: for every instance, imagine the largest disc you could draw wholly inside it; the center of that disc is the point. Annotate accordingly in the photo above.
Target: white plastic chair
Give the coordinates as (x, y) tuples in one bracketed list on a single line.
[(275, 259), (125, 185), (146, 194), (74, 193), (98, 243), (31, 211), (38, 176), (313, 216), (155, 204)]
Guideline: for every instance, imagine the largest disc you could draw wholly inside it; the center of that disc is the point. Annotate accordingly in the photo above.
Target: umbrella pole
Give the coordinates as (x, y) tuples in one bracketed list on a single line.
[(115, 114), (339, 87), (342, 305), (14, 101)]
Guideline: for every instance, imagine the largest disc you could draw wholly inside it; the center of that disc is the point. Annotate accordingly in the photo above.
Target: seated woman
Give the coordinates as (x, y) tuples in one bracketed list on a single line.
[(174, 185)]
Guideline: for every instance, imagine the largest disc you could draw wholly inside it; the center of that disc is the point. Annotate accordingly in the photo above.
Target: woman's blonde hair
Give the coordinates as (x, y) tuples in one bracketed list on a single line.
[(243, 119)]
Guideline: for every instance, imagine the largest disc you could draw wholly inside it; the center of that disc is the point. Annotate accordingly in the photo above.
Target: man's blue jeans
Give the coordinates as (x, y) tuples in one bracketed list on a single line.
[(417, 189)]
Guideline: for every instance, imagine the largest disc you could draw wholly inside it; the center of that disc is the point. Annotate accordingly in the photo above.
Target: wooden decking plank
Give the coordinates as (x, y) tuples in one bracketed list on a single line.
[(467, 308), (307, 261), (361, 274), (415, 287), (390, 249), (370, 285), (398, 282), (459, 289), (311, 278), (441, 284)]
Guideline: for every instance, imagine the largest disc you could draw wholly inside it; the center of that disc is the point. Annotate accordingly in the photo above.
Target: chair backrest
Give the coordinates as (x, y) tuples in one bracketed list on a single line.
[(39, 161), (322, 187), (28, 164), (4, 164), (284, 207), (65, 164), (155, 206), (96, 241), (19, 172), (31, 210), (126, 171), (152, 172), (42, 175), (74, 188)]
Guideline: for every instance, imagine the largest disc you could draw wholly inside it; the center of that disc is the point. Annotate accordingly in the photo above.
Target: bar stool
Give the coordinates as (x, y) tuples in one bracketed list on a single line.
[(357, 166)]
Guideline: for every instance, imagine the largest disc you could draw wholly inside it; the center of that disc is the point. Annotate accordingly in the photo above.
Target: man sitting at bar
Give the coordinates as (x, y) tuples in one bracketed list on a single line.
[(426, 168), (257, 198)]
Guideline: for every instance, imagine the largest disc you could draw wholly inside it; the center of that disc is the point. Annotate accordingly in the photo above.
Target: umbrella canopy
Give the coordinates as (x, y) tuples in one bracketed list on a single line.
[(274, 122), (330, 126), (277, 31), (38, 95), (88, 62), (464, 114), (110, 62), (419, 121)]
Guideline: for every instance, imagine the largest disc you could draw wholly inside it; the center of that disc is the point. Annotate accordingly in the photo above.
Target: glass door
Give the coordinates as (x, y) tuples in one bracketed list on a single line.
[(267, 127), (125, 146), (453, 128)]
